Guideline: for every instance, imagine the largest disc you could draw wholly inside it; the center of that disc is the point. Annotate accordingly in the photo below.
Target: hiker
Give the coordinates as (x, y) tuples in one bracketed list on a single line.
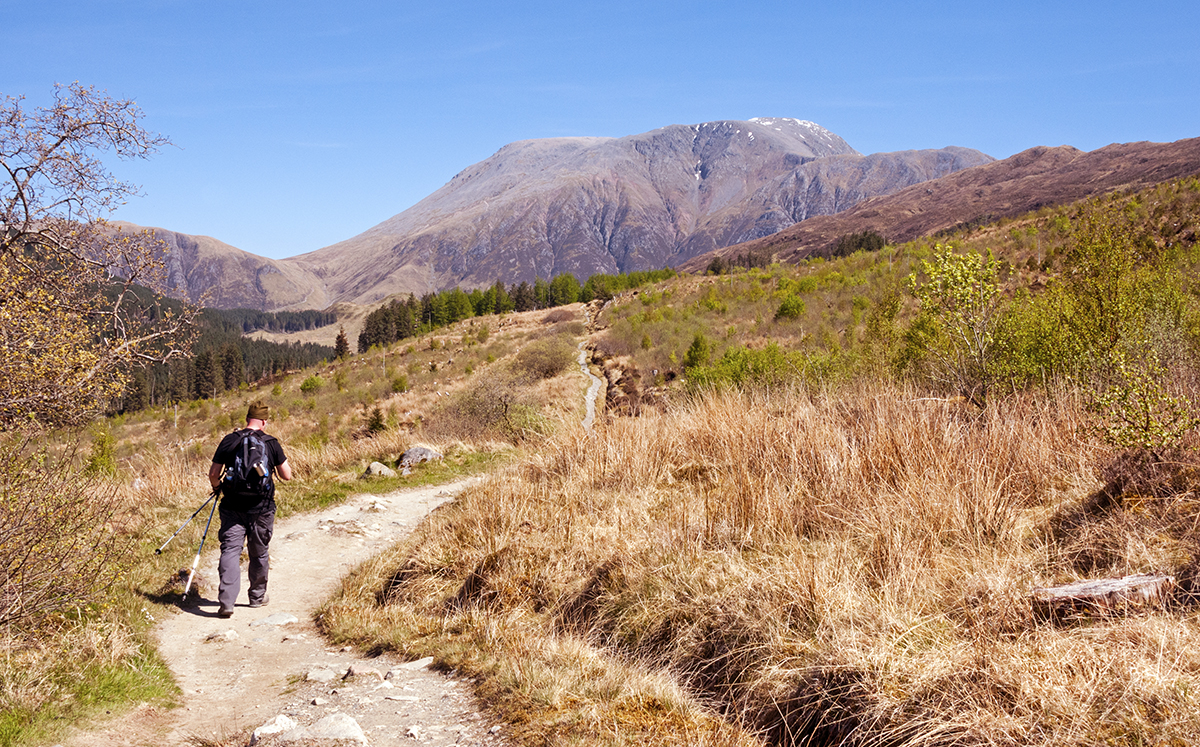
[(242, 468)]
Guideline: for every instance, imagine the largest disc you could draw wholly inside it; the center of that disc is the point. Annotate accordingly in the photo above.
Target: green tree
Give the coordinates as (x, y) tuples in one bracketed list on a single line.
[(960, 296), (341, 346), (697, 353), (564, 289)]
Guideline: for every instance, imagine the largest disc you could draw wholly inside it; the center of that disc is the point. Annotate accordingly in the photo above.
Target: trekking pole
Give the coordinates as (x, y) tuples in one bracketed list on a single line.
[(199, 550), (189, 520)]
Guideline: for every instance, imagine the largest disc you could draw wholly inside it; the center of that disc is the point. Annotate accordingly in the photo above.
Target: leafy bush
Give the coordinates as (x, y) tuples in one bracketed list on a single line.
[(545, 358), (740, 367), (498, 404), (312, 384), (1135, 411), (790, 308)]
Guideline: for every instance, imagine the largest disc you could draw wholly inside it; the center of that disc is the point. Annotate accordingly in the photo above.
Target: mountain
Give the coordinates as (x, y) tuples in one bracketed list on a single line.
[(203, 270), (584, 205), (1027, 181)]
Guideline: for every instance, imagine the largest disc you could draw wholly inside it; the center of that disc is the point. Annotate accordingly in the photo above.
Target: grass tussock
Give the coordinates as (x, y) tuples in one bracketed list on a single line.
[(842, 569)]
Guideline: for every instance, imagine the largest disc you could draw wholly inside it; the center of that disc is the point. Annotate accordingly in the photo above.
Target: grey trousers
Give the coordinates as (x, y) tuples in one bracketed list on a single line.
[(254, 530)]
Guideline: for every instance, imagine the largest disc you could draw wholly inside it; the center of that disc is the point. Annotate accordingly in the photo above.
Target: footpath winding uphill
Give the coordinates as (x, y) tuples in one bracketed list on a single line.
[(270, 666)]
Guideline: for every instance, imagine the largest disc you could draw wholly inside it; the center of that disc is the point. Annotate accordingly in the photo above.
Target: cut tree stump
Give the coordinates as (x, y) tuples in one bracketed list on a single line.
[(1103, 597)]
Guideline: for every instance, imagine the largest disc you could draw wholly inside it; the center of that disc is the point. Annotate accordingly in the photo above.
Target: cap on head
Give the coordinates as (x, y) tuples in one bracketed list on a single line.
[(258, 411)]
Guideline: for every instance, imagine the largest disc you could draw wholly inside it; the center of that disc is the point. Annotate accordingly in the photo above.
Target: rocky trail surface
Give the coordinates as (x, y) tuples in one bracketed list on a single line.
[(269, 667)]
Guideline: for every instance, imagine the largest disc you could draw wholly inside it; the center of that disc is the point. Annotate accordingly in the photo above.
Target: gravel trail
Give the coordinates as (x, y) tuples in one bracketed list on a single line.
[(238, 674)]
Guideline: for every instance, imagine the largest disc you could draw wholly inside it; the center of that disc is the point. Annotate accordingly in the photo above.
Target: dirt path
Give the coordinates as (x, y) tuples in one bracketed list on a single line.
[(593, 388), (238, 674)]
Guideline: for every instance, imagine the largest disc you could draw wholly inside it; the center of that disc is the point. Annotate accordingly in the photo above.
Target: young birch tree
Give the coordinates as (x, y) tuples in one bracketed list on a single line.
[(960, 294), (73, 326)]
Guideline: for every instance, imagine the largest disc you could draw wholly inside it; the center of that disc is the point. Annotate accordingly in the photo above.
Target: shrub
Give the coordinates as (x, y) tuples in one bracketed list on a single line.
[(790, 308), (499, 404), (375, 421), (740, 367), (59, 550), (699, 352), (400, 383), (312, 384), (545, 358), (559, 315)]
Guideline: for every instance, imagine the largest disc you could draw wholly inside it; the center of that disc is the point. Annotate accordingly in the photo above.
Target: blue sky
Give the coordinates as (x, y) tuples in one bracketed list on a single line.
[(299, 124)]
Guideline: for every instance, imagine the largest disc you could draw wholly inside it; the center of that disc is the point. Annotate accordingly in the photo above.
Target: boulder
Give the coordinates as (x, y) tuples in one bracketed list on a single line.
[(416, 455), (377, 469)]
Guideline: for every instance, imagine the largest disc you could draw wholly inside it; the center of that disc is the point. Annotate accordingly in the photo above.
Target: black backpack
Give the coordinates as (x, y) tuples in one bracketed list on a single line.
[(248, 478)]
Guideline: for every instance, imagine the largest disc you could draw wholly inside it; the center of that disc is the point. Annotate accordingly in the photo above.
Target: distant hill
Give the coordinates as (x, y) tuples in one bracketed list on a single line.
[(1027, 181), (201, 269)]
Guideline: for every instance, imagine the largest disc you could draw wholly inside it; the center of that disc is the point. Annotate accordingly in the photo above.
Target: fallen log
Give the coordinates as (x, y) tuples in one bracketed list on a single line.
[(1103, 597)]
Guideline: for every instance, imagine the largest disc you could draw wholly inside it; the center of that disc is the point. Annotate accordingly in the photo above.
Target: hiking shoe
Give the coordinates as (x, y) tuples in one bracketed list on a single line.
[(262, 602), (225, 612)]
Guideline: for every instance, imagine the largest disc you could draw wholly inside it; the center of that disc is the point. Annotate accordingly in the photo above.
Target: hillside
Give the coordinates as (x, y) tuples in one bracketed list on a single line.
[(1032, 179), (803, 534)]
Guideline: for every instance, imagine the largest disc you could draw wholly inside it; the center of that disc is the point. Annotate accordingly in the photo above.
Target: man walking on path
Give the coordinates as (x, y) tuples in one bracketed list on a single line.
[(242, 468)]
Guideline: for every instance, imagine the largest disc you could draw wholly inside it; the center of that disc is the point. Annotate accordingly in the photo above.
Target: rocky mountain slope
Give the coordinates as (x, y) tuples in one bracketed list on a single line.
[(203, 270), (1027, 181), (584, 205)]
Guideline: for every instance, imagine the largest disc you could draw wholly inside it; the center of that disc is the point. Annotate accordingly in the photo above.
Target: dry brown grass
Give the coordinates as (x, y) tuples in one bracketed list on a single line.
[(819, 569)]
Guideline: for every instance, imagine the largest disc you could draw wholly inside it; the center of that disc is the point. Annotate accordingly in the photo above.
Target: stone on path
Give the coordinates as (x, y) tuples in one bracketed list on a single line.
[(228, 635), (320, 675), (277, 725), (279, 618), (410, 666), (337, 726)]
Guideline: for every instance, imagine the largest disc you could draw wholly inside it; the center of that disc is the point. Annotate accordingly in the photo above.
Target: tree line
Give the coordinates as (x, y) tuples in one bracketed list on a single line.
[(222, 358), (404, 318)]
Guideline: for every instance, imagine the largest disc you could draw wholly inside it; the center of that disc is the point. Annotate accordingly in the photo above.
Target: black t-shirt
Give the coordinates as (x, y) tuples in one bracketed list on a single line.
[(225, 453)]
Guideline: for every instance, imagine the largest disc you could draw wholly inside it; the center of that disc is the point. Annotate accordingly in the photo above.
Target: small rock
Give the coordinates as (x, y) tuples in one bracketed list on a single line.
[(494, 730), (418, 664), (319, 701), (294, 637), (357, 670), (377, 469), (279, 618), (413, 733), (333, 726), (320, 675), (277, 725), (403, 698), (228, 635)]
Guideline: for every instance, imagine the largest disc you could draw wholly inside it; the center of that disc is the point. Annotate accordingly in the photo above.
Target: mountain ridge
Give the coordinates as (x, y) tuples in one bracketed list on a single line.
[(1034, 178)]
